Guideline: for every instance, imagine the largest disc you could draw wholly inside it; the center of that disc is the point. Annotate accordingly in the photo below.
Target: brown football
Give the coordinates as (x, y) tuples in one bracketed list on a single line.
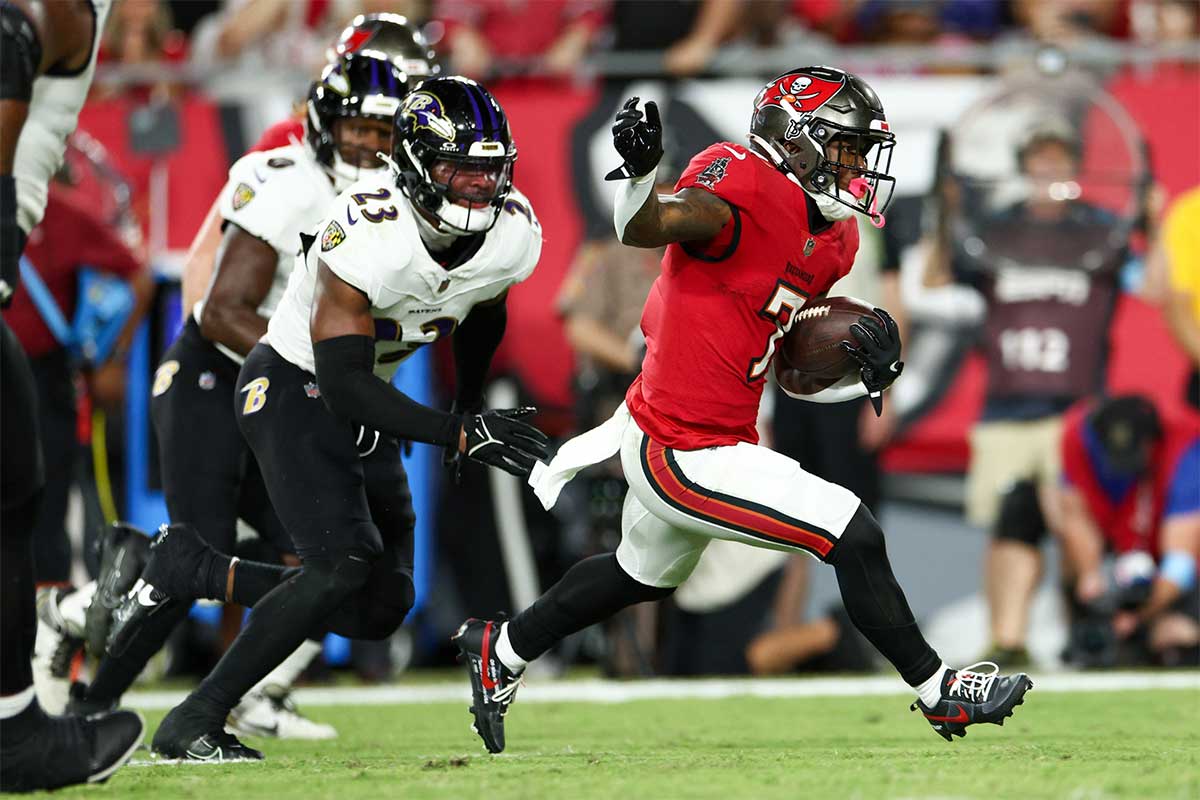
[(810, 356)]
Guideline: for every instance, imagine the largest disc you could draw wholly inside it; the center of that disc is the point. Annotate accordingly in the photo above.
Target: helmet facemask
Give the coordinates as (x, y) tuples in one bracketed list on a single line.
[(465, 194), (850, 169), (355, 157)]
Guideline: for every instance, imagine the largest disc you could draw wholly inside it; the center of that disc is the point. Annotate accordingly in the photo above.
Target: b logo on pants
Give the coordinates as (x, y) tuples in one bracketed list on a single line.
[(256, 395)]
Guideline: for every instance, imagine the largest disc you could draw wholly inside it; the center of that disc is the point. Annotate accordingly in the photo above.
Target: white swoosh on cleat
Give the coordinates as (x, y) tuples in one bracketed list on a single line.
[(144, 596)]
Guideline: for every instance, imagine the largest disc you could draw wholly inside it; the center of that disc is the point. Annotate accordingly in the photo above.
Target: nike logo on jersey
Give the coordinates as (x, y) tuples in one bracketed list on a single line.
[(349, 219), (258, 176), (736, 154)]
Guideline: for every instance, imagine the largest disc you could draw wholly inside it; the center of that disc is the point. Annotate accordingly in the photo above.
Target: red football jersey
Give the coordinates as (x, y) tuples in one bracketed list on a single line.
[(718, 309)]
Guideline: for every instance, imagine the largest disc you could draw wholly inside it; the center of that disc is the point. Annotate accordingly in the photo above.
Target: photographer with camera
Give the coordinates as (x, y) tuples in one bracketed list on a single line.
[(1131, 486)]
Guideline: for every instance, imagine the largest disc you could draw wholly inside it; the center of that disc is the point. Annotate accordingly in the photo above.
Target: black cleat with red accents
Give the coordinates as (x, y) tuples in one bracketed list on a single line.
[(978, 693), (493, 685)]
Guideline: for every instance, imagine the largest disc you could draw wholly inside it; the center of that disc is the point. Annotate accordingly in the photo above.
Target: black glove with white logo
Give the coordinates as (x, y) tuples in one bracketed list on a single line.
[(878, 353), (638, 141), (502, 439)]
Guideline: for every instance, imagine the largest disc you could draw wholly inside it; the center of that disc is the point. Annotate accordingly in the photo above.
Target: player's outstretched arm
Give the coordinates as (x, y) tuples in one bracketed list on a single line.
[(343, 336), (642, 217), (242, 277), (689, 215)]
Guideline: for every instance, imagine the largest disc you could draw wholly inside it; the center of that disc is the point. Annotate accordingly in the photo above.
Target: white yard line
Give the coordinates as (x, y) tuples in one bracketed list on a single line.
[(603, 691)]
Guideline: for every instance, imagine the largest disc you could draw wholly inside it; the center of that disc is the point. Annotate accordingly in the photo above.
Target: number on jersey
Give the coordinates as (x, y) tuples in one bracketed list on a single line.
[(780, 308), (1035, 349), (361, 199)]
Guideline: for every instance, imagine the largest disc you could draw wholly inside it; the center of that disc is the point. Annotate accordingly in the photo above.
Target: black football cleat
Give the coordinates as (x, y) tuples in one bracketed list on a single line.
[(79, 703), (188, 737), (124, 550), (169, 578), (67, 750), (971, 696), (493, 685)]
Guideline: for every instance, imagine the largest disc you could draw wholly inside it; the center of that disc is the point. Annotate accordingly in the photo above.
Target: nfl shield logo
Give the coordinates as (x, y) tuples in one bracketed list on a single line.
[(311, 389), (207, 381), (809, 246), (242, 194), (445, 285)]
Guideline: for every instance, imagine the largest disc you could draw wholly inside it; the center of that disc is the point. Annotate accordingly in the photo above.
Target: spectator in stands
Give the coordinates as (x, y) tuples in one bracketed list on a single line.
[(287, 34), (1068, 22), (1045, 332), (1131, 487), (1180, 247), (829, 643), (490, 39), (71, 236), (142, 33)]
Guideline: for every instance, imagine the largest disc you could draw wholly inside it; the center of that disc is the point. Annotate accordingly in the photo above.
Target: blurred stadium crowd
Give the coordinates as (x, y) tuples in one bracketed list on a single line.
[(185, 87)]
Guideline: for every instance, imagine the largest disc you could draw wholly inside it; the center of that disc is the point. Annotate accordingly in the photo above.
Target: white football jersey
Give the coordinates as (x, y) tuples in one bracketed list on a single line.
[(53, 114), (371, 241), (275, 195)]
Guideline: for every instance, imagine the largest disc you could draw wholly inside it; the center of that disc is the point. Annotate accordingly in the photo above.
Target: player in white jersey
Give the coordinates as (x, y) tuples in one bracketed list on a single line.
[(47, 56), (210, 478), (431, 251)]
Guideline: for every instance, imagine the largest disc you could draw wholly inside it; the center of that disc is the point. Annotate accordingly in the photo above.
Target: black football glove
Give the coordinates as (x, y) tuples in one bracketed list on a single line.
[(878, 354), (502, 439), (638, 141)]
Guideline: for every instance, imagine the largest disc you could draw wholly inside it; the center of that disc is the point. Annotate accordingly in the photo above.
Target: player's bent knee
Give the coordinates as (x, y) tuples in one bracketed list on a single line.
[(388, 612), (862, 538), (333, 579), (1020, 518)]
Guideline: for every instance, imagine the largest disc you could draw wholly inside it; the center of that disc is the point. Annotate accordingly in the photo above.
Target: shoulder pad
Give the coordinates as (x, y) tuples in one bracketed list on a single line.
[(267, 191), (523, 240), (366, 238), (727, 170)]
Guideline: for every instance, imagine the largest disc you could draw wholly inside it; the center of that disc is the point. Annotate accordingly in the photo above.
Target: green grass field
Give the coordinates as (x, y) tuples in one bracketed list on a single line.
[(1136, 744)]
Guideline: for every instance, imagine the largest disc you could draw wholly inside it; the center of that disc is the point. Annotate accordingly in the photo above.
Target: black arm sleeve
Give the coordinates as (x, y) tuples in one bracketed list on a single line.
[(475, 343), (351, 390)]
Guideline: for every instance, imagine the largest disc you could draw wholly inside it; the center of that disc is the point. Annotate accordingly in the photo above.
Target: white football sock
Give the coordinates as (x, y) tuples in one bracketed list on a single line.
[(931, 690), (13, 704), (289, 670), (504, 651)]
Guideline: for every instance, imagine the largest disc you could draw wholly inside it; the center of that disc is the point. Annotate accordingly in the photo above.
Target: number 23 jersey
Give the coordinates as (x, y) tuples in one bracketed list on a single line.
[(371, 241)]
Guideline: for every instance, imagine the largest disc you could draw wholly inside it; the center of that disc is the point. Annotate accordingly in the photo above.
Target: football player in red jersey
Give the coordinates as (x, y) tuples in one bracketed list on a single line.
[(751, 233)]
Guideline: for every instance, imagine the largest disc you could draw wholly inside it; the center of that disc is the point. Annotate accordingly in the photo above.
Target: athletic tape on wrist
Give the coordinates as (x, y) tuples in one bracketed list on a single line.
[(630, 196)]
